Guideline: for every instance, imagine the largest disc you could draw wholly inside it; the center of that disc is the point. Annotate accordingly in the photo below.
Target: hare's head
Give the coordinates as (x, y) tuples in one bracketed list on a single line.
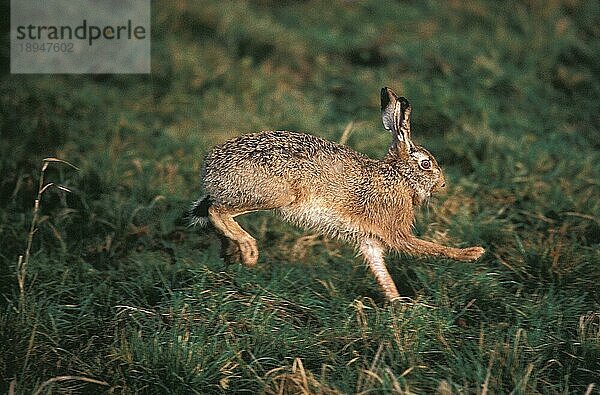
[(415, 162)]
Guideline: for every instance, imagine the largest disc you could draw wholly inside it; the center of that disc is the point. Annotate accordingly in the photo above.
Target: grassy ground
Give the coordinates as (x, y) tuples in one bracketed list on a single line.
[(120, 295)]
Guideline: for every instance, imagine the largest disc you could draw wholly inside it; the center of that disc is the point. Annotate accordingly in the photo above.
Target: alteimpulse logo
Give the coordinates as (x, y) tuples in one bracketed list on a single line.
[(84, 31), (80, 36)]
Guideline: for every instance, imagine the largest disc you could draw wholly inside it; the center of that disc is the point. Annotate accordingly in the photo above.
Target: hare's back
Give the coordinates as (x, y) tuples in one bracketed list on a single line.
[(279, 152), (266, 147), (268, 167)]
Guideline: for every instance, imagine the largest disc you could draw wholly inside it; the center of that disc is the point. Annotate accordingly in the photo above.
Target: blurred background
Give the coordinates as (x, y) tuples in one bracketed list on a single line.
[(117, 289)]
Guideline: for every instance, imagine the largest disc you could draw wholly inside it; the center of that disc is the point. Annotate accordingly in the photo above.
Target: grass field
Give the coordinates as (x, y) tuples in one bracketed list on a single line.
[(119, 296)]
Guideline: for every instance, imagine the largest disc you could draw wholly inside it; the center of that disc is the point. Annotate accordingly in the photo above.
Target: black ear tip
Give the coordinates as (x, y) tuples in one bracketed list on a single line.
[(403, 103), (387, 95), (388, 91)]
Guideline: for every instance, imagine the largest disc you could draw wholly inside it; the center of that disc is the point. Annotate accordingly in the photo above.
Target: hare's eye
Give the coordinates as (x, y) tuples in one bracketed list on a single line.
[(425, 164)]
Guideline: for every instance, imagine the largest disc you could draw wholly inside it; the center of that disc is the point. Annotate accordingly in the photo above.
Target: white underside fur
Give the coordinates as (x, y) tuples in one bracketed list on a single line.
[(318, 217)]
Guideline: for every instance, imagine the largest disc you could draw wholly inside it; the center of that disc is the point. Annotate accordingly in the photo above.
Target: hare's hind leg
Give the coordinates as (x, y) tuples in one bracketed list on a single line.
[(422, 247), (237, 244), (372, 251), (234, 197)]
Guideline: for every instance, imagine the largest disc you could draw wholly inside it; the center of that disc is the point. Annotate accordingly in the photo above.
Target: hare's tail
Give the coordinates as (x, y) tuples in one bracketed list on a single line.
[(198, 214)]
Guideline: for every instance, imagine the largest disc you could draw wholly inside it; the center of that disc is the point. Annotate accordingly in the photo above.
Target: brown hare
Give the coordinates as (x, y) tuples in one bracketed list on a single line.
[(327, 187)]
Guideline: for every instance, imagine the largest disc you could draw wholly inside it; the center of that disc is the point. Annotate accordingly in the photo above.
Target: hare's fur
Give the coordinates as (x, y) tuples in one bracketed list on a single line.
[(327, 187)]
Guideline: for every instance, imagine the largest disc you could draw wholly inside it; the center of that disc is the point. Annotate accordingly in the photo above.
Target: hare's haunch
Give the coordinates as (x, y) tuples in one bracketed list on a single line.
[(327, 187)]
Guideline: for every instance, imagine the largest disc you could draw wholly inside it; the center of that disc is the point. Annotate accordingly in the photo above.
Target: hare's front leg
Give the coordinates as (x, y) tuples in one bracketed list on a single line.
[(372, 251), (237, 244), (414, 245)]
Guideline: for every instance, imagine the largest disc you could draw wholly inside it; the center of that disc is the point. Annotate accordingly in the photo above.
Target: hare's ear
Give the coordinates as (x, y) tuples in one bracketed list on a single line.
[(395, 114)]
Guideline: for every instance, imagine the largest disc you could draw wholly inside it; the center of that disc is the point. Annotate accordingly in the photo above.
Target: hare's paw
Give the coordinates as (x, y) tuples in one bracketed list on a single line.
[(231, 253), (400, 301), (249, 252), (244, 252), (471, 253), (233, 258)]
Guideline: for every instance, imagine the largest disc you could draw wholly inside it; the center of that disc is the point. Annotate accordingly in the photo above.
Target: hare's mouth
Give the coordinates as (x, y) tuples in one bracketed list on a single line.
[(420, 196)]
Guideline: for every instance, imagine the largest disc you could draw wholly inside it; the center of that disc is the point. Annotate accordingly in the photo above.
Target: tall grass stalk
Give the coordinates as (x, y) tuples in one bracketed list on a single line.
[(23, 260)]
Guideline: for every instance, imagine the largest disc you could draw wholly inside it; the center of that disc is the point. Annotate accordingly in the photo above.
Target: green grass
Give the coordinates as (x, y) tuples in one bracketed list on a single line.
[(118, 290)]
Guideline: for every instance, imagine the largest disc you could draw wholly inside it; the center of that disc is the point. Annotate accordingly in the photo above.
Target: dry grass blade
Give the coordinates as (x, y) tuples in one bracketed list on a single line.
[(370, 375), (23, 260), (57, 160), (395, 383), (46, 187), (63, 188), (347, 132), (486, 382), (299, 367), (68, 378), (295, 380)]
